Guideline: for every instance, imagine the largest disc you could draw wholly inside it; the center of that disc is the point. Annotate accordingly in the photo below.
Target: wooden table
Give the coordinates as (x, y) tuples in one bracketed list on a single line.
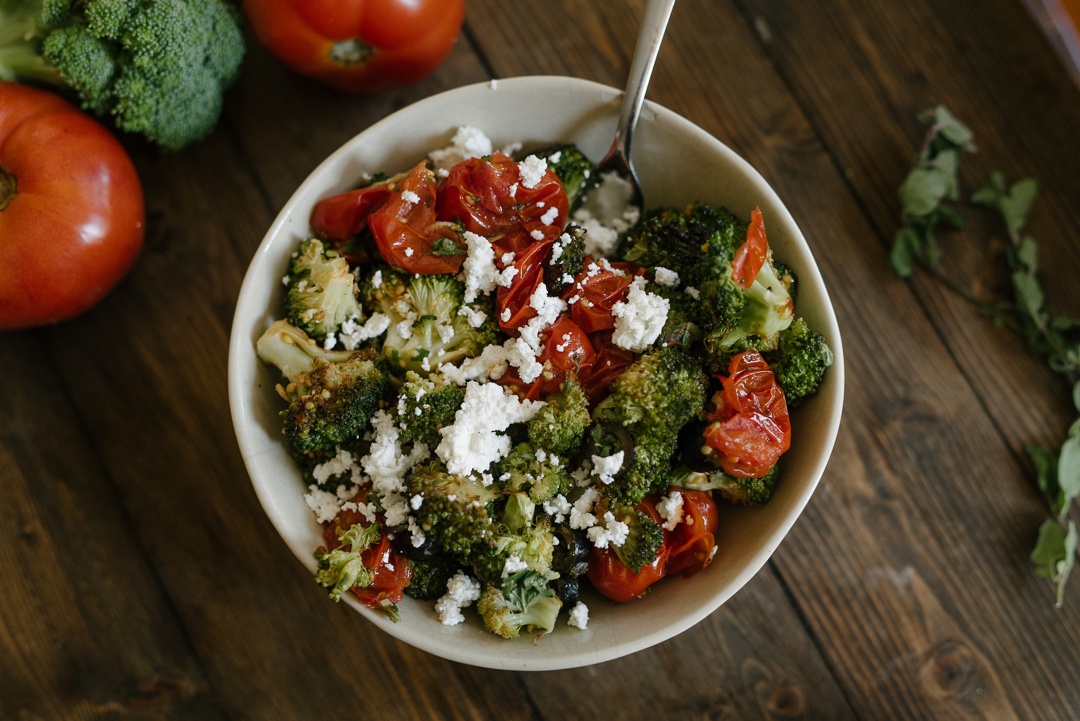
[(142, 580)]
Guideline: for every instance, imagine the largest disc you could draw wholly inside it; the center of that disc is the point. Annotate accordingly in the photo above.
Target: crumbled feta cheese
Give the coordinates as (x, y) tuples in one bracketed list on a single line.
[(479, 269), (324, 504), (376, 279), (410, 197), (558, 508), (537, 234), (605, 467), (494, 84), (512, 565), (532, 171), (505, 315), (611, 533), (409, 252), (416, 501), (581, 516), (342, 463), (475, 440), (474, 316), (640, 318), (670, 508), (579, 616), (468, 142), (556, 156), (663, 276), (352, 334), (606, 213), (461, 591), (550, 215), (507, 258), (387, 463), (692, 292)]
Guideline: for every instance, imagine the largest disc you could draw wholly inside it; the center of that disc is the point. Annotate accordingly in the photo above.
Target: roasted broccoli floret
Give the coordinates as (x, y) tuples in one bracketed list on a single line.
[(653, 398), (800, 361), (431, 571), (155, 67), (566, 261), (343, 568), (559, 427), (425, 406), (643, 541), (455, 511), (427, 325), (681, 327), (503, 550), (570, 166), (322, 290), (745, 491), (768, 310), (535, 472), (521, 602), (332, 395)]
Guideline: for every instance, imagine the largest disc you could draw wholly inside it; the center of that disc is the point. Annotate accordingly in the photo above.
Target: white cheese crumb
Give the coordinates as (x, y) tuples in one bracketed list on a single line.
[(512, 565), (611, 533), (494, 84), (410, 197), (670, 508), (549, 216), (692, 292), (605, 467), (579, 616), (532, 171), (479, 269), (461, 591), (663, 276), (474, 316), (468, 142), (475, 440), (558, 508), (640, 318), (409, 252), (581, 516)]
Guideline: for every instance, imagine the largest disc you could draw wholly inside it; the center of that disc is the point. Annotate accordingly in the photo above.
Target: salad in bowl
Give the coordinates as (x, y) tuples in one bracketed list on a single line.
[(515, 403)]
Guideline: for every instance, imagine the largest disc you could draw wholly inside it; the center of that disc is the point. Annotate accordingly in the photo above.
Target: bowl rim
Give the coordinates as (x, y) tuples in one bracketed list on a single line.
[(240, 356)]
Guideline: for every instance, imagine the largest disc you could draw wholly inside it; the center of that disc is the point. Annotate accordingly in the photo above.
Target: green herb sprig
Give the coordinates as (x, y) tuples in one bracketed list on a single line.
[(928, 198)]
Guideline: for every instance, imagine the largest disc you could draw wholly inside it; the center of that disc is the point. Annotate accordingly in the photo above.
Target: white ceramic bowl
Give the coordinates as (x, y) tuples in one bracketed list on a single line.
[(678, 163)]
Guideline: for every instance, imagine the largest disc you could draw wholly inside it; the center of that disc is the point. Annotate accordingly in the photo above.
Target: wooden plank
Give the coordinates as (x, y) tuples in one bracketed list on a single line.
[(86, 628)]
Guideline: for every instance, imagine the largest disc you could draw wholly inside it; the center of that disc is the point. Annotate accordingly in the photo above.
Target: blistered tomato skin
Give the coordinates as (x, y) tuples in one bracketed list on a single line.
[(71, 209)]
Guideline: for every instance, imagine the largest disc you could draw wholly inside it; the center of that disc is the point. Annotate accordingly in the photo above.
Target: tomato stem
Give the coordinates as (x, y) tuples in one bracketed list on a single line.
[(353, 51), (9, 188)]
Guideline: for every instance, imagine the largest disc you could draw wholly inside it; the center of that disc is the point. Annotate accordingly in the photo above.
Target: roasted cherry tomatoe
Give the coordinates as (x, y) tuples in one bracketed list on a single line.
[(358, 45), (71, 209)]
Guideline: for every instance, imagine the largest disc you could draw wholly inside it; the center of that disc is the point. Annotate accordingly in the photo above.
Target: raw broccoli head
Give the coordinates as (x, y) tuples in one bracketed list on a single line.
[(322, 289), (523, 471), (455, 511), (426, 406), (343, 568), (566, 261), (332, 395), (570, 166), (800, 361), (653, 398), (522, 602), (157, 67), (559, 427), (426, 327), (644, 540)]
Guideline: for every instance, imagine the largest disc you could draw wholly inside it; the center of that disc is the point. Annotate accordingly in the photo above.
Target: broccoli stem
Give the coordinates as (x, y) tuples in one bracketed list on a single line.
[(20, 45)]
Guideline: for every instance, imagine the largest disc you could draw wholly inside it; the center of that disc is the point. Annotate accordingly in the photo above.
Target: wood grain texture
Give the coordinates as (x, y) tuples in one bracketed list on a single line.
[(142, 580)]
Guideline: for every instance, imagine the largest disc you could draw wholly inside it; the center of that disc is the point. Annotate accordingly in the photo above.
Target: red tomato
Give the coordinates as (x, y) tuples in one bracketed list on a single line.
[(610, 362), (488, 196), (406, 230), (750, 256), (390, 571), (566, 351), (342, 216), (610, 576), (71, 209), (358, 45), (693, 540), (751, 427), (594, 292), (512, 302)]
